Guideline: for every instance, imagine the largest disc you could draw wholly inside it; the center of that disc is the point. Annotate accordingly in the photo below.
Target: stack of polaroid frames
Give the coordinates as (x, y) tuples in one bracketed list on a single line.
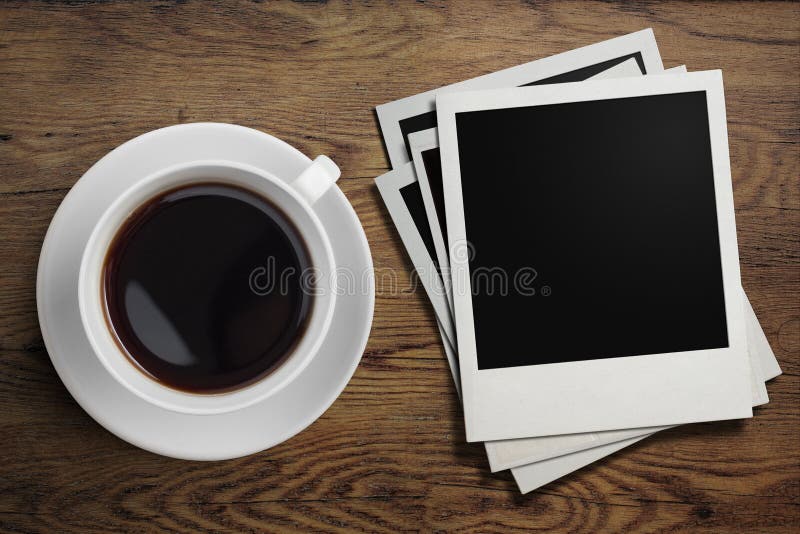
[(571, 220)]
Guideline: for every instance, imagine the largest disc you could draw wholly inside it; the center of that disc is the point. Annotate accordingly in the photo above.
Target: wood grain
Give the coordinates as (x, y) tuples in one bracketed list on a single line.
[(79, 78)]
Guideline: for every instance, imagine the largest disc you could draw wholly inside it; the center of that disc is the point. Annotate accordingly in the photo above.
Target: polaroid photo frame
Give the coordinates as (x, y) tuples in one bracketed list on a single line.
[(579, 395), (516, 453), (513, 453), (402, 117)]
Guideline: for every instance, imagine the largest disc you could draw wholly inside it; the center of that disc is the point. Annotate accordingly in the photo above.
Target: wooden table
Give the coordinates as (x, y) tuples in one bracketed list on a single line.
[(78, 79)]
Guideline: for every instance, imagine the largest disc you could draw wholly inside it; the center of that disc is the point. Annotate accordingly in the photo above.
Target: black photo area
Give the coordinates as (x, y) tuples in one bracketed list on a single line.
[(412, 198), (612, 202), (427, 120), (432, 161)]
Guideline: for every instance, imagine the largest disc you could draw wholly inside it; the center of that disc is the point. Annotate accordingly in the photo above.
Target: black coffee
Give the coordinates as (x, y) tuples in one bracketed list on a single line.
[(203, 287)]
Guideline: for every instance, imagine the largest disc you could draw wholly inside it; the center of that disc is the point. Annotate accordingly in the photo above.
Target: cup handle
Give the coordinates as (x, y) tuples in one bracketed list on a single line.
[(316, 179)]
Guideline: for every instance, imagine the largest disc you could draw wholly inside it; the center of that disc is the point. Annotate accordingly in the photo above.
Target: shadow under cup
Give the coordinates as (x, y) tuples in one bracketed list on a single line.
[(210, 288)]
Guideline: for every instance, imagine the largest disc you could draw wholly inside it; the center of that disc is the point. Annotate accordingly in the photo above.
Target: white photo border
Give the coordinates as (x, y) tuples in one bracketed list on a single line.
[(666, 390)]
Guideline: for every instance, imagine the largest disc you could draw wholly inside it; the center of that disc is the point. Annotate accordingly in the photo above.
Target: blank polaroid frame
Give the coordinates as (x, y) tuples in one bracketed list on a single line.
[(565, 449), (607, 393), (402, 117)]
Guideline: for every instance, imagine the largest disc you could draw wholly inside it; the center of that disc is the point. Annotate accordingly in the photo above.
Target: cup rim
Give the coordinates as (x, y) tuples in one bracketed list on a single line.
[(242, 396)]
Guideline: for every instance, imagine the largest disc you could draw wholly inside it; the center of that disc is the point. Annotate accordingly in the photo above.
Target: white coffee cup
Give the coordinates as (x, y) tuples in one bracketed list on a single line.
[(296, 199)]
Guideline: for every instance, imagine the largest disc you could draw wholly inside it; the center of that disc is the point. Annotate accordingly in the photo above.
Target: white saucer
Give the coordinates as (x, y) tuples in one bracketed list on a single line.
[(208, 437)]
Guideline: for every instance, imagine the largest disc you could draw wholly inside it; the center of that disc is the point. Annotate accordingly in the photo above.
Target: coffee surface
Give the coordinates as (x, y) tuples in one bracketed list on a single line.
[(204, 287)]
